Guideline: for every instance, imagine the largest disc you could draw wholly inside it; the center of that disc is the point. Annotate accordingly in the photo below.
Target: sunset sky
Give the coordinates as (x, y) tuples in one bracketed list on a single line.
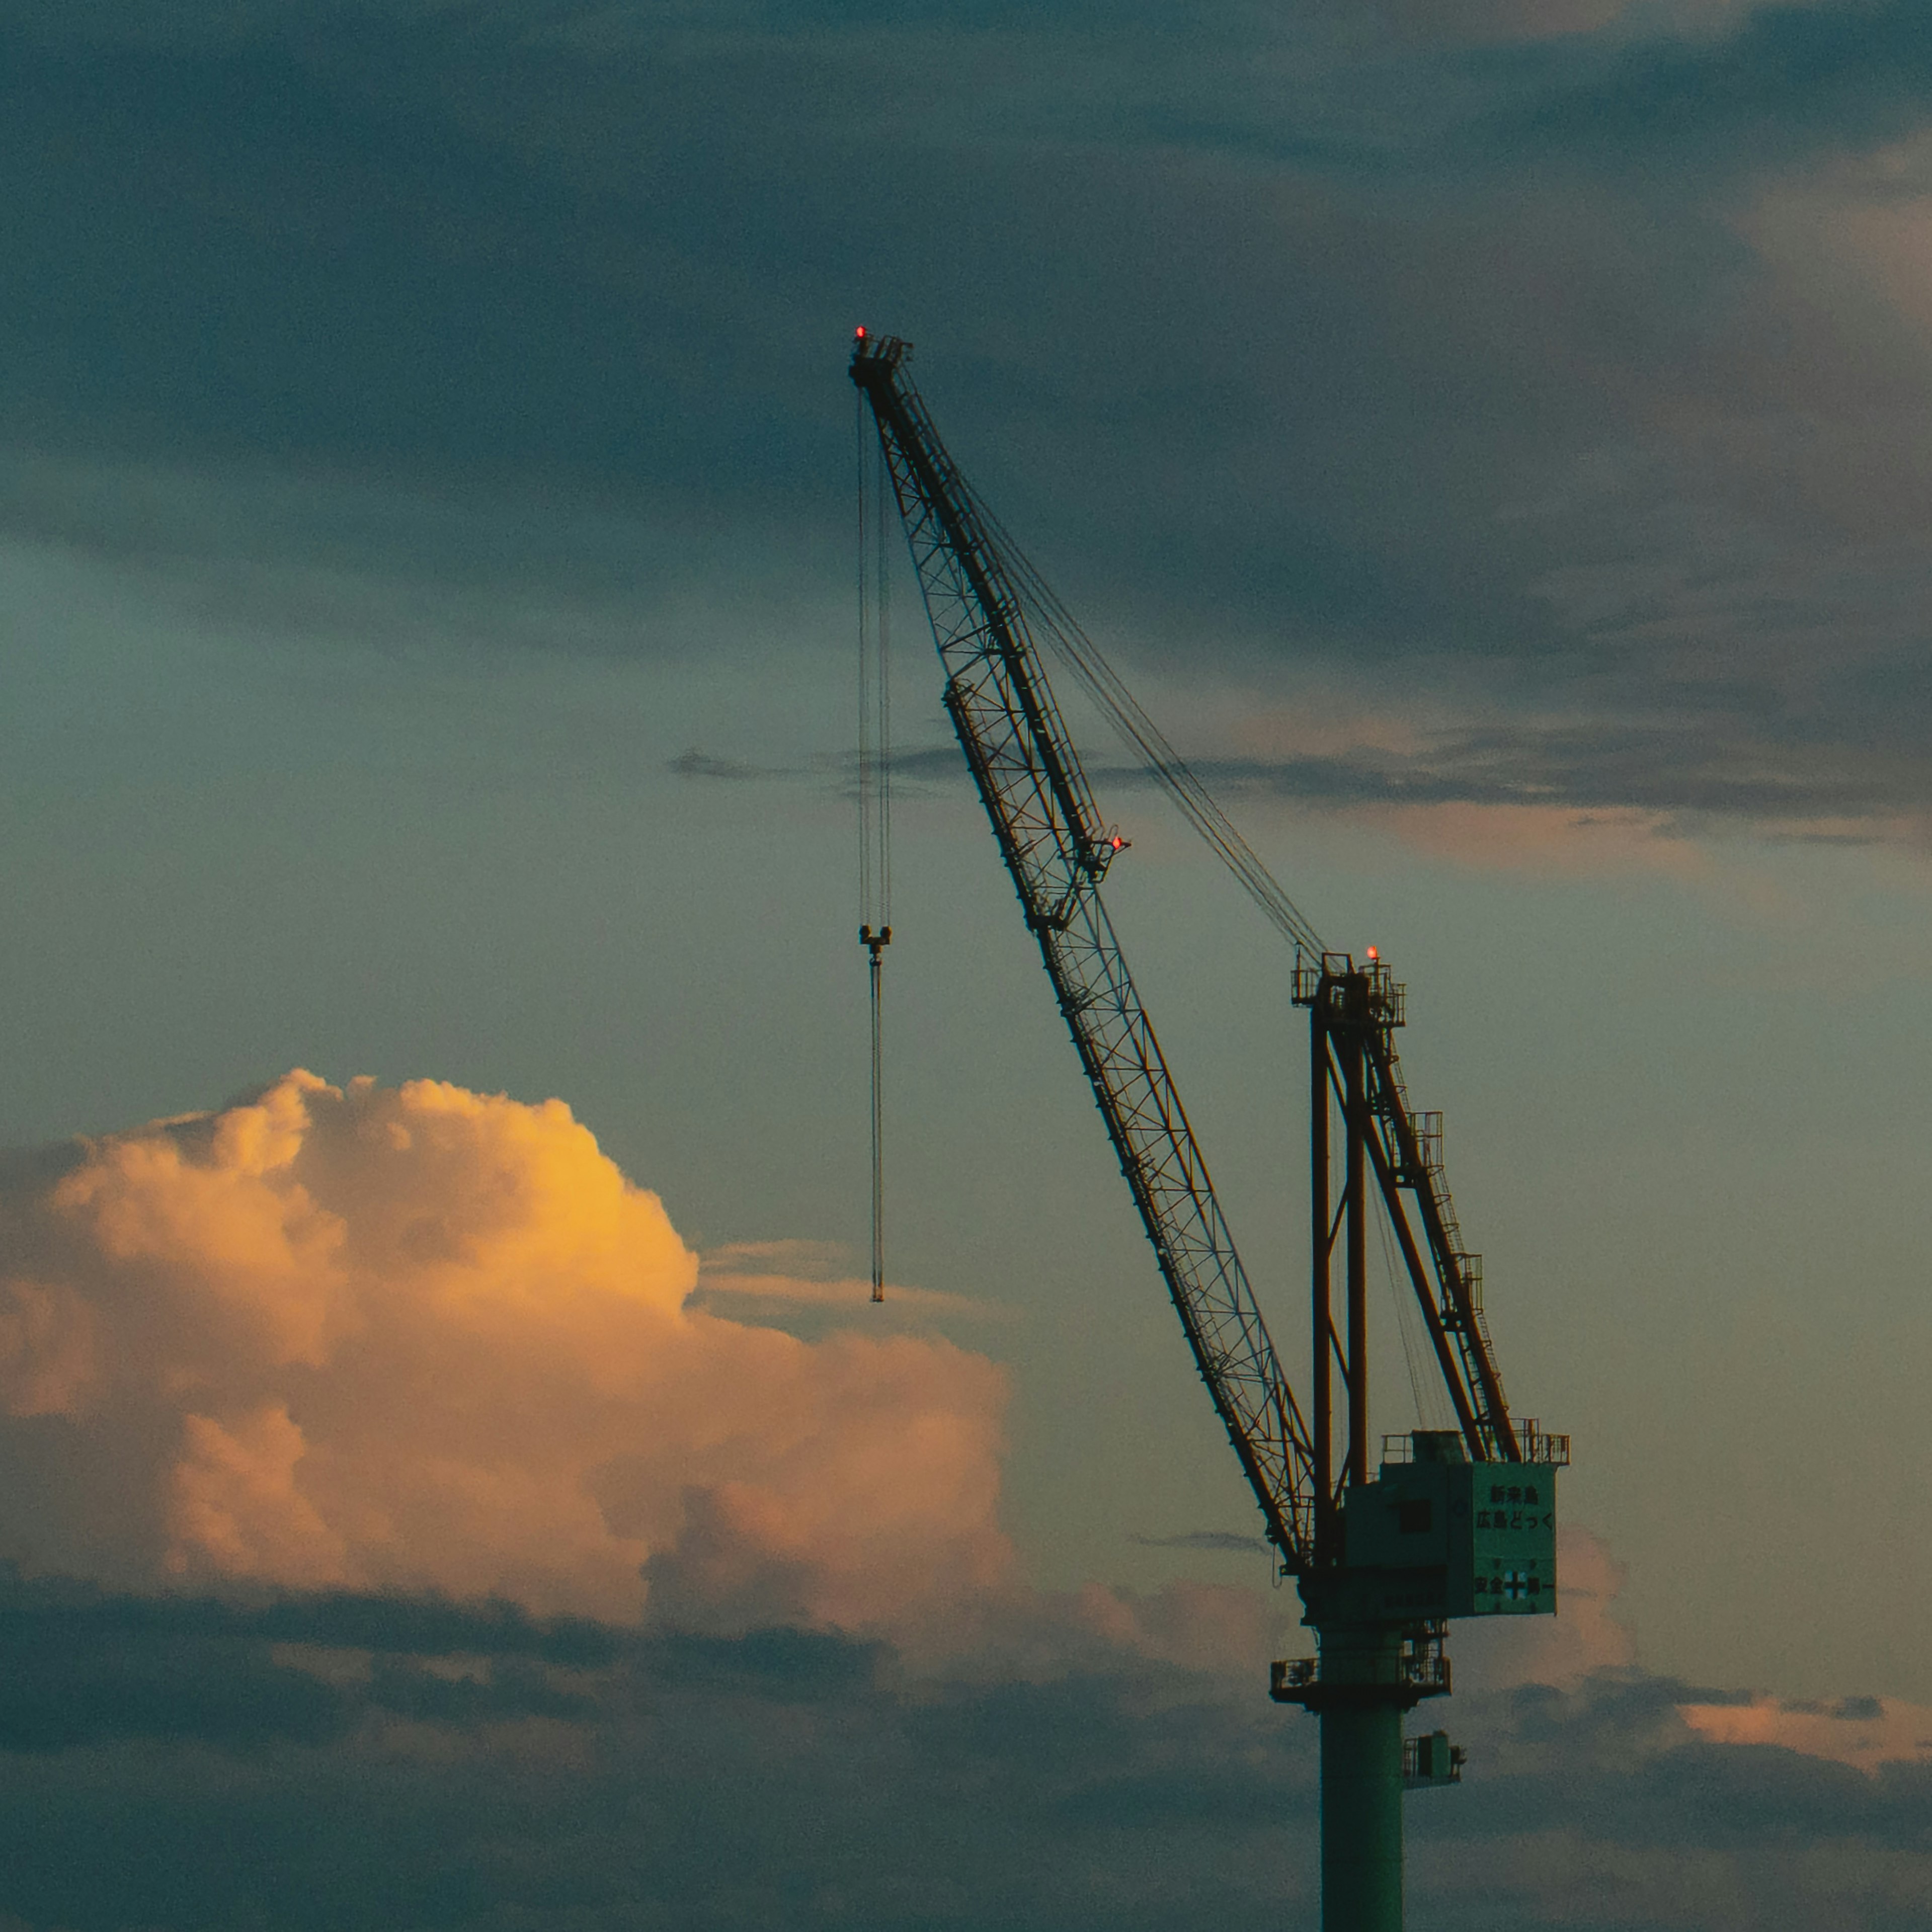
[(453, 1477)]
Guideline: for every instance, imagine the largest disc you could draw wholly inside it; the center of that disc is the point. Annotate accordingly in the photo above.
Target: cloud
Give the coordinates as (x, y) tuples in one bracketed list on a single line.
[(1866, 1732), (365, 1408), (419, 1338), (1572, 795), (1584, 1640), (1204, 1539), (485, 1765), (783, 1777), (1626, 482), (816, 1274), (696, 764), (1786, 81)]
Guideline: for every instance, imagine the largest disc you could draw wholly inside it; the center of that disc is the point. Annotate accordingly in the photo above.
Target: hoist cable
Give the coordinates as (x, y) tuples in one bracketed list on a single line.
[(882, 639), (864, 732), (878, 1146), (1058, 629), (875, 795)]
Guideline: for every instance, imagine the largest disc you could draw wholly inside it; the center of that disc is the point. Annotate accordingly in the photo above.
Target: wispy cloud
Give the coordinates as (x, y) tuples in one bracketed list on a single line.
[(696, 764), (816, 1274), (1658, 782), (1203, 1539)]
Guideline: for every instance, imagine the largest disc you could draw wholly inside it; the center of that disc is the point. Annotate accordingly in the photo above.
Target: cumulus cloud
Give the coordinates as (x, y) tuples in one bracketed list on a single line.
[(418, 1337), (316, 1372)]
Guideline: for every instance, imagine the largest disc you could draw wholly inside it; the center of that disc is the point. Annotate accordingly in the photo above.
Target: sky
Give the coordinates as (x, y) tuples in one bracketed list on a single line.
[(450, 1456)]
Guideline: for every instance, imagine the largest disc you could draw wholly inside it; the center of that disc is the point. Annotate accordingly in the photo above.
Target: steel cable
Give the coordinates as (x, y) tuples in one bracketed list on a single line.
[(1060, 632)]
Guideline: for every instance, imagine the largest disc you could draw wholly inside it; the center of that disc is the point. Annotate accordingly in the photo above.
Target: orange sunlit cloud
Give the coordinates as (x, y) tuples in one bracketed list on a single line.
[(1547, 837), (420, 1338), (1543, 838), (423, 1338), (1865, 1732)]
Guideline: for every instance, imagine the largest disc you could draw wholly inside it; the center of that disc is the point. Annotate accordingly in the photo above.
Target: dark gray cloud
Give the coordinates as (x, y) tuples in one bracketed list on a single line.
[(89, 1668), (1676, 770), (344, 1762), (1788, 82), (1472, 375), (696, 764), (1690, 773)]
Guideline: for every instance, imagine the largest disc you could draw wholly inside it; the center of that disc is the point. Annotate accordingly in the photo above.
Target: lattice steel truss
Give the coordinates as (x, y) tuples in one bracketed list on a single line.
[(1058, 850), (1354, 1011)]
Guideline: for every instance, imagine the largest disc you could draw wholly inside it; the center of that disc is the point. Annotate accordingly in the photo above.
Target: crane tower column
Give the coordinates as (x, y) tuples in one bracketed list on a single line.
[(1361, 1781)]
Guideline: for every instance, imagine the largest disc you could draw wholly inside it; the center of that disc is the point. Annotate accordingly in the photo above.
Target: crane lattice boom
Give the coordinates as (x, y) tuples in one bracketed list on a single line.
[(1056, 848)]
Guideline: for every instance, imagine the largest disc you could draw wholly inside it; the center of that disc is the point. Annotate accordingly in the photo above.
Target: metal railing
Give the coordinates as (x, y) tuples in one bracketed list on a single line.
[(1420, 1666), (1536, 1442), (1539, 1446), (1387, 997)]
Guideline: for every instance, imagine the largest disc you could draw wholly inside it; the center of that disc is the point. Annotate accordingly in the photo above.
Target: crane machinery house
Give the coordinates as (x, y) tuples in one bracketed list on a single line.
[(1436, 1535)]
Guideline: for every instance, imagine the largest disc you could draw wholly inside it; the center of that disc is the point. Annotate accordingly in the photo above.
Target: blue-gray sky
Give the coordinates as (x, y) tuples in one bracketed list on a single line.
[(1491, 436)]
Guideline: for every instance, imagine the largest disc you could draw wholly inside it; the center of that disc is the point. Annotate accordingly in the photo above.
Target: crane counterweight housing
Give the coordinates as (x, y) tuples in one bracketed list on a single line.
[(1451, 1522), (1437, 1536)]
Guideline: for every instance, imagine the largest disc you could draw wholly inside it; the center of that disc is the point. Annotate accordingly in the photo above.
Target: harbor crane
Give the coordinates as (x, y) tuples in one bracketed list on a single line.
[(1449, 1523)]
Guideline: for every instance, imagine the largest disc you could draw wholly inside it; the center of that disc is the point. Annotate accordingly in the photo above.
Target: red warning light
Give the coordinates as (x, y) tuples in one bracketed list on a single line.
[(1118, 841), (859, 334), (1373, 954)]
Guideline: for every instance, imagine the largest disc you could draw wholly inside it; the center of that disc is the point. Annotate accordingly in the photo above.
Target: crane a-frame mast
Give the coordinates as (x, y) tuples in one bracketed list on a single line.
[(1381, 1560)]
